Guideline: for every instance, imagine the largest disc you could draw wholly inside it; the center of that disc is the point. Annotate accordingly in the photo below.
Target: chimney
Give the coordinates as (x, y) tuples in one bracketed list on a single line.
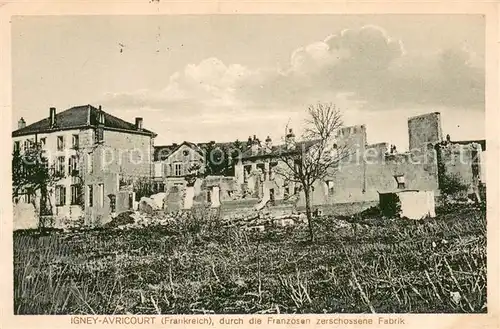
[(21, 123), (138, 123), (290, 140), (52, 116), (269, 144), (255, 145)]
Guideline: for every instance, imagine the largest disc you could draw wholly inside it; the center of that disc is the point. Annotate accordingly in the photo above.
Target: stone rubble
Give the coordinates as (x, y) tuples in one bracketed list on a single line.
[(257, 221)]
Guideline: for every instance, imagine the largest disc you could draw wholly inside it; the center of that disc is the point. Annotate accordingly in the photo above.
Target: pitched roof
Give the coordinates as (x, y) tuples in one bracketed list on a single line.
[(161, 152), (84, 116)]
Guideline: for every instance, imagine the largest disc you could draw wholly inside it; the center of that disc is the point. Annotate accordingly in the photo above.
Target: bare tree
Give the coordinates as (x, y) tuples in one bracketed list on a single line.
[(31, 174), (316, 155)]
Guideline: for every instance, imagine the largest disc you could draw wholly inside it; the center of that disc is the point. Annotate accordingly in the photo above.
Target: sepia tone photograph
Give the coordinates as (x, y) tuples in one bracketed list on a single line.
[(263, 164)]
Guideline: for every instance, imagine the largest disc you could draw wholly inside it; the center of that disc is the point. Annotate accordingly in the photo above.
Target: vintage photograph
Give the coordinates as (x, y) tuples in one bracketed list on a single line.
[(248, 164)]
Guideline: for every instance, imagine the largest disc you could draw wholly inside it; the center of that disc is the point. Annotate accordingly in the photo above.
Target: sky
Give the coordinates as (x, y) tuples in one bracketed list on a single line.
[(226, 77)]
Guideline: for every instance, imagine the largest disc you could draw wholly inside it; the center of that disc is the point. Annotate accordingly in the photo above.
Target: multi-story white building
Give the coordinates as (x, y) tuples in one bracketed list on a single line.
[(95, 154)]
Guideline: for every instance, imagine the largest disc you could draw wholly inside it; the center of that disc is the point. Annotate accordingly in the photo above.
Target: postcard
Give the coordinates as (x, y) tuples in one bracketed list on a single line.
[(257, 164)]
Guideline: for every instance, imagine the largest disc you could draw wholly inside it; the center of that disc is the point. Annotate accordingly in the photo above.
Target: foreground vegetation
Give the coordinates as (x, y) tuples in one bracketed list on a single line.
[(196, 266)]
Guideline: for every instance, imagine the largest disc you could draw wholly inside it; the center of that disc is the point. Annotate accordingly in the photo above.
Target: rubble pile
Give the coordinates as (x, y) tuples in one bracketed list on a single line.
[(258, 221), (138, 219), (149, 214)]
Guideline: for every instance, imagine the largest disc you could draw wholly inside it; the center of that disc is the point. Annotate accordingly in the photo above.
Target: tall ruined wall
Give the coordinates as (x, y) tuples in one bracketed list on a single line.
[(424, 129), (120, 156), (361, 181), (352, 139), (463, 161), (130, 154)]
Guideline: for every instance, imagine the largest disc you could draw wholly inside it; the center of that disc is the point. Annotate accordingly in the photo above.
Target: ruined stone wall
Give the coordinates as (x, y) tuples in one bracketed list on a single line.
[(353, 140), (360, 182), (463, 161), (129, 154), (424, 129), (238, 207), (122, 156), (342, 209)]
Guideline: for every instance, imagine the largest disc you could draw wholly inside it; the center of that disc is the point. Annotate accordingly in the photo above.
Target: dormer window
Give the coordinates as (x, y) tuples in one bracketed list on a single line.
[(101, 117)]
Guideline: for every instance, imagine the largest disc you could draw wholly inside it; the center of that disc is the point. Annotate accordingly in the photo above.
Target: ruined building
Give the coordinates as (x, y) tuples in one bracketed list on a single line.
[(370, 169), (96, 156), (101, 157)]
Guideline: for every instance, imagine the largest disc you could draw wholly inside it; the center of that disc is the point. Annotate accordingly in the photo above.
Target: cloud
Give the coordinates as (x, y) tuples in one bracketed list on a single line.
[(362, 67)]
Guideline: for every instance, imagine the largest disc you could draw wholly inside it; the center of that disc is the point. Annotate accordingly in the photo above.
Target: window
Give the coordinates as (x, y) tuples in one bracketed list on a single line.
[(60, 195), (271, 196), (28, 144), (90, 163), (158, 171), (130, 201), (159, 187), (60, 166), (99, 135), (400, 179), (286, 189), (26, 198), (209, 196), (75, 194), (246, 172), (330, 186), (261, 167), (73, 166), (60, 143), (75, 141), (90, 195), (17, 146), (177, 169), (101, 194)]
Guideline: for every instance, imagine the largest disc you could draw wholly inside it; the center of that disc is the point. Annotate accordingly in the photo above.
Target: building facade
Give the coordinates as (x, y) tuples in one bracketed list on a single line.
[(97, 158), (172, 163)]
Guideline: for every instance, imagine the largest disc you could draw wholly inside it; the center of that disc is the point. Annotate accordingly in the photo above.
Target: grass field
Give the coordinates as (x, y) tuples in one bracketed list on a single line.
[(371, 265)]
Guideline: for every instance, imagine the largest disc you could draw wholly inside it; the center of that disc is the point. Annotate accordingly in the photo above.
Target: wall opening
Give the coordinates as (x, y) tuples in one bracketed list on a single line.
[(400, 180)]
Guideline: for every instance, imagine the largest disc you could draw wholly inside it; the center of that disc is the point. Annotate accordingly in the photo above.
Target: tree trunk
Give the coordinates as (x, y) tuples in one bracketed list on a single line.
[(309, 213)]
